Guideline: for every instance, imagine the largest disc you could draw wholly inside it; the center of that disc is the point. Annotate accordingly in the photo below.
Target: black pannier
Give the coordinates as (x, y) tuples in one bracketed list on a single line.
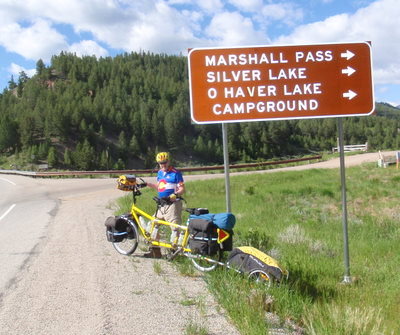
[(117, 228), (227, 245), (203, 237), (203, 225)]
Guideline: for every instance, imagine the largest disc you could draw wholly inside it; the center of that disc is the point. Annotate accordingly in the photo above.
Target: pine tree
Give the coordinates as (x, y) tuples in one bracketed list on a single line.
[(67, 158), (52, 157), (105, 161), (8, 134), (134, 147)]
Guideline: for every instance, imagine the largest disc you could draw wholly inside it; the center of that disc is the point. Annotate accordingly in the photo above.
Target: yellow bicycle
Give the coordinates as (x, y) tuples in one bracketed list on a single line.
[(204, 238), (199, 239)]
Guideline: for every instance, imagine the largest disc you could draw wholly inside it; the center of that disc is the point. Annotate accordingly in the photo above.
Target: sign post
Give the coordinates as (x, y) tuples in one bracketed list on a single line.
[(346, 277), (226, 166), (282, 83)]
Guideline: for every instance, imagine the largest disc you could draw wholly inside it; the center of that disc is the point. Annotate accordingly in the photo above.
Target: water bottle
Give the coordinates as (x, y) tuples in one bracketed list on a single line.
[(143, 222), (146, 225), (181, 236), (154, 233), (174, 236)]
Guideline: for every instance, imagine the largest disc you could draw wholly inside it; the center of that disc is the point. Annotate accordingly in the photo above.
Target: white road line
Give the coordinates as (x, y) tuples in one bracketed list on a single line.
[(7, 211), (8, 181)]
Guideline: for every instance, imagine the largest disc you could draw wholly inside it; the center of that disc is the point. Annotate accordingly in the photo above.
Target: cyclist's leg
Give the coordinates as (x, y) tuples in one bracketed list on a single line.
[(173, 214), (154, 250)]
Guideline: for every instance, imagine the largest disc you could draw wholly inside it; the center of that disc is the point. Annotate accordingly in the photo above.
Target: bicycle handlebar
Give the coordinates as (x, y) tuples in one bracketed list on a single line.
[(165, 200), (197, 211)]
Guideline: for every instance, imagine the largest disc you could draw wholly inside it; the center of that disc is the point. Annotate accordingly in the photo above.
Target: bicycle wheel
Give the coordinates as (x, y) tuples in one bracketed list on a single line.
[(129, 243), (206, 263), (260, 276)]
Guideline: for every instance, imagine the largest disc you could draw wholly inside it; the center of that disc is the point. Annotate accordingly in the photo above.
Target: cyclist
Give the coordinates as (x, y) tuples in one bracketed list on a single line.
[(170, 187)]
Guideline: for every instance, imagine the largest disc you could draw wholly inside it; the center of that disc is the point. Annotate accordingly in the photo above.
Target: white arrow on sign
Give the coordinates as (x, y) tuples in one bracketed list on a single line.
[(349, 94), (348, 54), (349, 71)]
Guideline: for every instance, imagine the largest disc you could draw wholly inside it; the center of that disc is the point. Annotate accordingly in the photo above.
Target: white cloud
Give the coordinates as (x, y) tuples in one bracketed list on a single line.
[(36, 41), (287, 13), (377, 23), (330, 30), (164, 29), (233, 29), (90, 48), (16, 69), (247, 5), (211, 5), (106, 20)]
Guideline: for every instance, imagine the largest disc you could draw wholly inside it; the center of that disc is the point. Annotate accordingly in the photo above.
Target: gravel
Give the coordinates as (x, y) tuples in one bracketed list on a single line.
[(76, 283)]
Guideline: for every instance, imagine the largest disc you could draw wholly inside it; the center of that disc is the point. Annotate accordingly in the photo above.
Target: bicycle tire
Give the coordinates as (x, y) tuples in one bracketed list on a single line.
[(203, 265), (129, 244), (260, 276)]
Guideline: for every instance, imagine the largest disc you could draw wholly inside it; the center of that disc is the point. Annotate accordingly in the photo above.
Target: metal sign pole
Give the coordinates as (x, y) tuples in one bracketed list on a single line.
[(226, 166), (346, 278)]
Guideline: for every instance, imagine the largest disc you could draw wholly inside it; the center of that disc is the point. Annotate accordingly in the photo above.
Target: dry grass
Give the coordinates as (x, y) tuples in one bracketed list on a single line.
[(344, 320)]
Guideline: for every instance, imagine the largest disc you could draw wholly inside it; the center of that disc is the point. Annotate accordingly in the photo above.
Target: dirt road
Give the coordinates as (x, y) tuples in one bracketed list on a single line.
[(74, 282)]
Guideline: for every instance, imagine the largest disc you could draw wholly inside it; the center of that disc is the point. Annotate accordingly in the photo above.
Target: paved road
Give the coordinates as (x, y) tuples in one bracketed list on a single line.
[(25, 211), (59, 275)]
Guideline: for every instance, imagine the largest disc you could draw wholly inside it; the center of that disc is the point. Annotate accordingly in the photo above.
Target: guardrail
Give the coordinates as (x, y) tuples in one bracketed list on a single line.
[(352, 147), (149, 171)]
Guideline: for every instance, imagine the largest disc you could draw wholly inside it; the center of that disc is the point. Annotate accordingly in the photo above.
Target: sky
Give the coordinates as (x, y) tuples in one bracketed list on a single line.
[(37, 29)]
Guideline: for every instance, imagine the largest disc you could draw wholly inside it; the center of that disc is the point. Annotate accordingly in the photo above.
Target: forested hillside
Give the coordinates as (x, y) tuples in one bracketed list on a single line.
[(116, 112)]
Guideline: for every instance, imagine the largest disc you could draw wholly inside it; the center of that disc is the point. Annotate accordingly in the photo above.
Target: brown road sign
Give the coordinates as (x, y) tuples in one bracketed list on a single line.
[(280, 82)]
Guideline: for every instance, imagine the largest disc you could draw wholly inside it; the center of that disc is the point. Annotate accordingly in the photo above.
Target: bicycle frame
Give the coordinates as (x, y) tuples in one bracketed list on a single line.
[(138, 222), (147, 232)]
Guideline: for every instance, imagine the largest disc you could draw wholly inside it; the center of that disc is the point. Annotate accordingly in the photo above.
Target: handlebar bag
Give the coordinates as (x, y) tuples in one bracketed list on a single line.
[(126, 182)]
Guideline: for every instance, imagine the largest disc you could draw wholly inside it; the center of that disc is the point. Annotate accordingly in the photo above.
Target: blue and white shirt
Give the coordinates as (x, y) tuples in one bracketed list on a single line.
[(168, 181)]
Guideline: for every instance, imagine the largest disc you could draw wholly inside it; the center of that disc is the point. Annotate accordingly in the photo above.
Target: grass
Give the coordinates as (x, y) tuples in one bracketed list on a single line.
[(296, 217), (158, 268), (193, 328)]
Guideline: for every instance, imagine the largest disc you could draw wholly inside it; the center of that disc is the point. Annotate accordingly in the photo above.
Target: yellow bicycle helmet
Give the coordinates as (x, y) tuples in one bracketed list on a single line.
[(162, 157)]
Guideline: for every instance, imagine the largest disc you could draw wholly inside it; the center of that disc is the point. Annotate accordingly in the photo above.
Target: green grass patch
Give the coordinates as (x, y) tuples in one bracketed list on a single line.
[(296, 217)]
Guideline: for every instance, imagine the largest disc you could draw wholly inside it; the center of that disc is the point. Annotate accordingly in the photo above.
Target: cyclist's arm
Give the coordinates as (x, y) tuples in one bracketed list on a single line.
[(151, 185), (180, 189)]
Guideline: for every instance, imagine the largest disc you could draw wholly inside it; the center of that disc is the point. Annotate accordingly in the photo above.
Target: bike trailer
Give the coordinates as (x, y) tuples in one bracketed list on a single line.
[(250, 260), (117, 228)]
